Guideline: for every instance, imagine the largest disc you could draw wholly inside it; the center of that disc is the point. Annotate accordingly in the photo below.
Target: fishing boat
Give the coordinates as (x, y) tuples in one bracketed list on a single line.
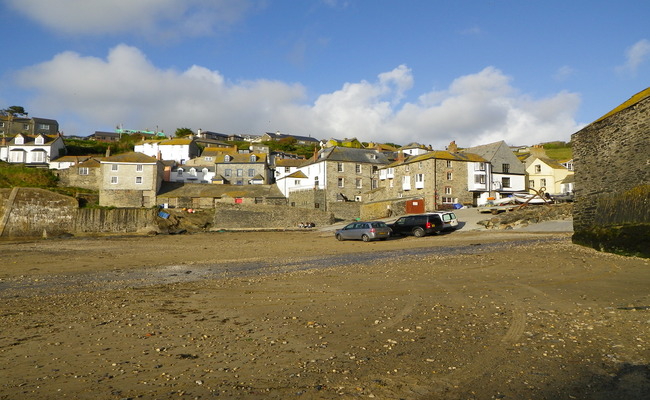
[(530, 198)]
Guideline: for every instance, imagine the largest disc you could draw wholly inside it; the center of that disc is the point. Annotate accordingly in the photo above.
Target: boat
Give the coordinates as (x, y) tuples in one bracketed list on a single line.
[(529, 198)]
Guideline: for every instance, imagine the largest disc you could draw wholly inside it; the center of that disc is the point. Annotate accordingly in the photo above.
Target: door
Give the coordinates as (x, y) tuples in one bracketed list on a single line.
[(415, 206)]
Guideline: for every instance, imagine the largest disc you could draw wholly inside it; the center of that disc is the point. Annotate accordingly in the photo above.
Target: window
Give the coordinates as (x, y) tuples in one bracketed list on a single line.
[(447, 200), (253, 158), (531, 183), (114, 167), (339, 167), (408, 168), (505, 182), (357, 168), (38, 156), (43, 127), (315, 181), (419, 178), (138, 179), (26, 127), (374, 184), (542, 182), (296, 182), (505, 168), (39, 140), (227, 158), (374, 169), (287, 169), (2, 124), (113, 180), (204, 170), (251, 172), (207, 158), (138, 168), (449, 176), (538, 169), (479, 166), (179, 172), (448, 163), (341, 182), (228, 172), (420, 165), (193, 171), (83, 171), (19, 140), (359, 182), (240, 172), (391, 183), (479, 179), (447, 189)]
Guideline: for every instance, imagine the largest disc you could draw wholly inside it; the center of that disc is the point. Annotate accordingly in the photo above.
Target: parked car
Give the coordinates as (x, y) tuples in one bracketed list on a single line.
[(366, 231), (449, 220), (417, 225)]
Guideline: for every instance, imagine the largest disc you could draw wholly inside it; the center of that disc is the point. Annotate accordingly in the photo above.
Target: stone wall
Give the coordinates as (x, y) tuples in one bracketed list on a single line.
[(612, 175), (241, 216), (308, 198), (35, 212), (345, 210), (116, 220)]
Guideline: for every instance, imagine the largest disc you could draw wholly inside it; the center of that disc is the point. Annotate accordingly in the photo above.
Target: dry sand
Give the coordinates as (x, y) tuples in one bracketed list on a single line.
[(281, 315)]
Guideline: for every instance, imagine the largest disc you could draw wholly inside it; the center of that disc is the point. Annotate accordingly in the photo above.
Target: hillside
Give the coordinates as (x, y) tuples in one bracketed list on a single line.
[(21, 176)]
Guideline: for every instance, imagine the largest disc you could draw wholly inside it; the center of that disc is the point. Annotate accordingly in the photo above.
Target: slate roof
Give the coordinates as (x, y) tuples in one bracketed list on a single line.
[(487, 151), (349, 154), (131, 157), (173, 189), (240, 158), (289, 162), (30, 139)]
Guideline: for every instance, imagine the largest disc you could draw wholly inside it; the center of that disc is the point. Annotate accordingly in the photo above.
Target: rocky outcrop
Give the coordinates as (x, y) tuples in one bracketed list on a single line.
[(529, 215)]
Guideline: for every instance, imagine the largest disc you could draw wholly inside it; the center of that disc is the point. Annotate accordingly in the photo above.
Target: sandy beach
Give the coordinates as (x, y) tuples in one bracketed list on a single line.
[(467, 315)]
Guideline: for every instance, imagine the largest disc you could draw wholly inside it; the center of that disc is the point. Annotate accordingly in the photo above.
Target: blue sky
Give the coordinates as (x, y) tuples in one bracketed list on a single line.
[(405, 71)]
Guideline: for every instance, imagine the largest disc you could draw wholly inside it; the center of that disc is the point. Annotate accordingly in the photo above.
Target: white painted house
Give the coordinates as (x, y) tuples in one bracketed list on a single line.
[(180, 150)]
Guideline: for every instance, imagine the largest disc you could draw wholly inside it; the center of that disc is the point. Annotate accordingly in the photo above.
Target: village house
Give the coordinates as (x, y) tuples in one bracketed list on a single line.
[(345, 174), (242, 168), (507, 172), (177, 149), (130, 180), (84, 174), (434, 180), (33, 150), (277, 136), (13, 124), (190, 195), (353, 142), (107, 137), (548, 175)]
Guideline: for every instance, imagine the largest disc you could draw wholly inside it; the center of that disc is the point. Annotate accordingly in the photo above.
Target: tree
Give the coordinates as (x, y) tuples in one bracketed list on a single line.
[(184, 132), (13, 110)]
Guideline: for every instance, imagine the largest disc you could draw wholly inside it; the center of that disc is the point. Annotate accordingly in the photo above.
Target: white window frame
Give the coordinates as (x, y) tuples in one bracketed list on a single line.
[(114, 180), (84, 171), (138, 180), (114, 167), (139, 168)]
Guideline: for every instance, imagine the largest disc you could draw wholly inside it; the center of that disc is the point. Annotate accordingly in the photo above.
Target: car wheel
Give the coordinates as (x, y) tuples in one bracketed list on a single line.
[(365, 238), (418, 232), (339, 237)]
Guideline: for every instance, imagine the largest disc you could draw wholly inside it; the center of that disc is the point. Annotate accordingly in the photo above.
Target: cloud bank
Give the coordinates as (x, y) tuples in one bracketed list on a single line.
[(126, 88), (162, 19)]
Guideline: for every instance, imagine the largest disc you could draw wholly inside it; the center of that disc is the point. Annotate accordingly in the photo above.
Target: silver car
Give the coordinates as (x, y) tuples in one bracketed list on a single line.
[(366, 231)]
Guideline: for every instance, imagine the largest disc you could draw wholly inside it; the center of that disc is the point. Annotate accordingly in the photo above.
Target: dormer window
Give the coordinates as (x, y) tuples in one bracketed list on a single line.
[(227, 158), (253, 158), (39, 140), (19, 139)]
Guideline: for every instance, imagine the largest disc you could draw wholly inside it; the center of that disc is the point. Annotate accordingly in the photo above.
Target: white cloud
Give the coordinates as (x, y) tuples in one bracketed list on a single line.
[(563, 73), (635, 55), (127, 88), (162, 19)]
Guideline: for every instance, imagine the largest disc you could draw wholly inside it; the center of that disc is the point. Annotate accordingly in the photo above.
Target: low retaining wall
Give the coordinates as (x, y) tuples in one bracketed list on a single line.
[(239, 216)]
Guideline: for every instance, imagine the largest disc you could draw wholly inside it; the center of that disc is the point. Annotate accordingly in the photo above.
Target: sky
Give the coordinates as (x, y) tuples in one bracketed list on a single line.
[(423, 71)]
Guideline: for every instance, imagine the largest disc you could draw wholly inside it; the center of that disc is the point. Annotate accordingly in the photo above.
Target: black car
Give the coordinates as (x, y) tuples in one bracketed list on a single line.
[(417, 225)]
